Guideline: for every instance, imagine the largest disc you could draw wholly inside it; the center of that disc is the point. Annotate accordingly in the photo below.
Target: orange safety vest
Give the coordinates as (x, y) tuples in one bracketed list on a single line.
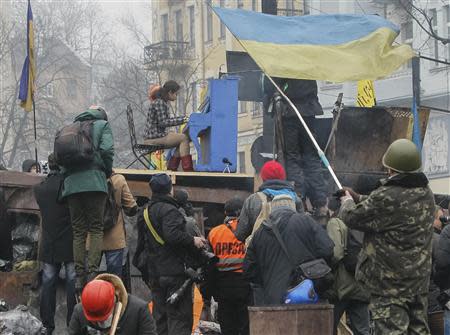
[(227, 247)]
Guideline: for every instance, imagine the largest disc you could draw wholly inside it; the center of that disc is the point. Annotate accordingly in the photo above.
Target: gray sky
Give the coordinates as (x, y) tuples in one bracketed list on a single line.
[(141, 11)]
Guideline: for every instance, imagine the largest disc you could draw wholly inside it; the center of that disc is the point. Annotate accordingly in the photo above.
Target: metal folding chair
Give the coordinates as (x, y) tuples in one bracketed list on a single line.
[(140, 151)]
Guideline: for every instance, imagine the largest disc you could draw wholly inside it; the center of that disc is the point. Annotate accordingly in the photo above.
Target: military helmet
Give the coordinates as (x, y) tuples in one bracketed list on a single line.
[(402, 156)]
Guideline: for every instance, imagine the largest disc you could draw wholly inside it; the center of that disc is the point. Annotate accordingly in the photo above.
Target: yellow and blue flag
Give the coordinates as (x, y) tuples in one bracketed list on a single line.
[(28, 71), (333, 47)]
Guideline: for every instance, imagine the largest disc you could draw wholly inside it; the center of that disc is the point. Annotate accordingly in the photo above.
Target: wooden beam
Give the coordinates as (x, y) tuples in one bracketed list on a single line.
[(196, 194)]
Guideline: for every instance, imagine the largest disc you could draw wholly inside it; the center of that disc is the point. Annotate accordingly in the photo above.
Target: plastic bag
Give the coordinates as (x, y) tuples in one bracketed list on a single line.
[(5, 266), (26, 231), (19, 321), (24, 251), (207, 328)]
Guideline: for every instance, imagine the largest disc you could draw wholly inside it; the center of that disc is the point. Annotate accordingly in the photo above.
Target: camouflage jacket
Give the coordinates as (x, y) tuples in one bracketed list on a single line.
[(397, 220)]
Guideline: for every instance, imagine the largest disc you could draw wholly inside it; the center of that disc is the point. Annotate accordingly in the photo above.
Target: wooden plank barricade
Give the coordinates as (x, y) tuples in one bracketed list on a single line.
[(316, 319)]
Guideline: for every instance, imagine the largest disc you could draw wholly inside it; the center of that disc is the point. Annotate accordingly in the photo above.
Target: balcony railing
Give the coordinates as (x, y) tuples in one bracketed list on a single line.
[(289, 12), (166, 51)]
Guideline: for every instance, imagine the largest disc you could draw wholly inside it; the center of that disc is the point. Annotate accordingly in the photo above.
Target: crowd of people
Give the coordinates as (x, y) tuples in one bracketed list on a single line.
[(380, 258)]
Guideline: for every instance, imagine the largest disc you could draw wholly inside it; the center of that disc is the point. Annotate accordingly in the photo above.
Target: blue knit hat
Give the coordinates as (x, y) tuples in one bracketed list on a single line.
[(161, 183)]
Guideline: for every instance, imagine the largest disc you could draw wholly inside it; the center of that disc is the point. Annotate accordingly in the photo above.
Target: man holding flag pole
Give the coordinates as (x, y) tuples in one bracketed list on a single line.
[(27, 88)]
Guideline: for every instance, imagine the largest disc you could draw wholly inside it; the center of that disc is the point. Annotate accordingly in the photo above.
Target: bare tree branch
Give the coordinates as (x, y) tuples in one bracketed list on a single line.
[(414, 11)]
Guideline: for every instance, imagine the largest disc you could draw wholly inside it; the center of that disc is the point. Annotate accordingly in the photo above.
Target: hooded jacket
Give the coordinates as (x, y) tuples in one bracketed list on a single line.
[(253, 205), (92, 177), (266, 263), (135, 317), (397, 221)]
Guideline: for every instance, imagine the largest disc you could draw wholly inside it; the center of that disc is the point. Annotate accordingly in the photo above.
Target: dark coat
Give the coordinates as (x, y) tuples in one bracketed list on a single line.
[(56, 237), (266, 264), (442, 260), (92, 178), (302, 93), (169, 259), (252, 207)]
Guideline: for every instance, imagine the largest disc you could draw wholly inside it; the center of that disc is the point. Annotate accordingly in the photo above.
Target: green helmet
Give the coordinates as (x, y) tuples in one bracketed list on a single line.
[(402, 156)]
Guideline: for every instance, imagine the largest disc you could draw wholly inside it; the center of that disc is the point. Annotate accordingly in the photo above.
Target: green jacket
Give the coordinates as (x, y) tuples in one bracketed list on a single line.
[(397, 219), (345, 285), (92, 178)]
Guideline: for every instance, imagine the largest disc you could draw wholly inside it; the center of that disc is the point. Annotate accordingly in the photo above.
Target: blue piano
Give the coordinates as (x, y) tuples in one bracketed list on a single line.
[(213, 131)]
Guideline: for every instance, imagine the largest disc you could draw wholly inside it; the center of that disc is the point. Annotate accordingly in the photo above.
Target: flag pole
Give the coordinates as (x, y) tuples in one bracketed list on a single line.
[(38, 166)]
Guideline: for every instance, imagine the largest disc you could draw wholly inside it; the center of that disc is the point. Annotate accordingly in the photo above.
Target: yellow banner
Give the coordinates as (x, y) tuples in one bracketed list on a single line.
[(366, 94)]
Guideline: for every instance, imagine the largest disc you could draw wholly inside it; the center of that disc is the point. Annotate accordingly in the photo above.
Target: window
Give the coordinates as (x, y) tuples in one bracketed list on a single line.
[(180, 102), (191, 27), (447, 14), (257, 109), (289, 7), (194, 97), (306, 7), (71, 88), (209, 22), (435, 44), (47, 91), (164, 27), (240, 4), (254, 6), (179, 26), (241, 162), (407, 36), (222, 26), (242, 107)]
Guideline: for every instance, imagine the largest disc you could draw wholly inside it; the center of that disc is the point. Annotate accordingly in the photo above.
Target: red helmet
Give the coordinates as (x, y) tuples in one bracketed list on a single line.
[(97, 300)]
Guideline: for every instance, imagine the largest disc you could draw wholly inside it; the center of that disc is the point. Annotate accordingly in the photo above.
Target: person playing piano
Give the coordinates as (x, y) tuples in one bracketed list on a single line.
[(158, 122)]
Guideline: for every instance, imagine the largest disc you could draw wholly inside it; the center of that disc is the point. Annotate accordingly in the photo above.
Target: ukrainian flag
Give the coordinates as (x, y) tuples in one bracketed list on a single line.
[(335, 47), (28, 71)]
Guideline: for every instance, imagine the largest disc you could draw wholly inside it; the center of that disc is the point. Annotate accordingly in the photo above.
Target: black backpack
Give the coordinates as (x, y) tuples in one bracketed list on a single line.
[(112, 211), (351, 251), (74, 144)]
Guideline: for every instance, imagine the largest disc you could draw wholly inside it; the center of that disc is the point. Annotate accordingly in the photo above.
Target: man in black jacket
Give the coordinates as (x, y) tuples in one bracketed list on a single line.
[(303, 165), (441, 275), (169, 244), (266, 263), (55, 245)]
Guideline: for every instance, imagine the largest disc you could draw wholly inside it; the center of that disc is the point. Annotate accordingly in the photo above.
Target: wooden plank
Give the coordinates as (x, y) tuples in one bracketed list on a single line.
[(292, 320), (196, 194), (182, 173)]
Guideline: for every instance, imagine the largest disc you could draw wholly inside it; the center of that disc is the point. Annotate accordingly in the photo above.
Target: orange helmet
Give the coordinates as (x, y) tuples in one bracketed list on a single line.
[(97, 300), (152, 91)]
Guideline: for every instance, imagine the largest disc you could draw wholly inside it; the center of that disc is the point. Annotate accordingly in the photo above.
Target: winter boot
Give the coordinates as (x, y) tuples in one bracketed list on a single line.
[(186, 163), (173, 163)]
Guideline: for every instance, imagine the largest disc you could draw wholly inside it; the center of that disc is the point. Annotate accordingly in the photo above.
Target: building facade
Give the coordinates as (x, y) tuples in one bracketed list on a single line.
[(194, 23), (200, 42)]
